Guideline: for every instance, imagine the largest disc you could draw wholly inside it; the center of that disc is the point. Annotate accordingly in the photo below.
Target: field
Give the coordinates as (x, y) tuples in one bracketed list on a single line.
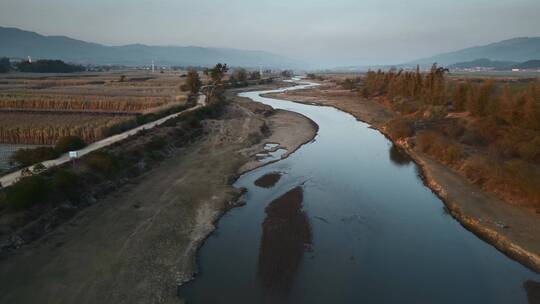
[(40, 108)]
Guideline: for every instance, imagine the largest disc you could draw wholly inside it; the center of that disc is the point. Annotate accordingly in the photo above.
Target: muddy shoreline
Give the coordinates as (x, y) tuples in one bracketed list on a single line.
[(455, 192)]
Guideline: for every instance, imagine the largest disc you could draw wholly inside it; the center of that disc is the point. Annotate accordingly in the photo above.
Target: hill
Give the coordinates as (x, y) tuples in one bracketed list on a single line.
[(482, 63), (517, 50), (17, 43), (530, 64)]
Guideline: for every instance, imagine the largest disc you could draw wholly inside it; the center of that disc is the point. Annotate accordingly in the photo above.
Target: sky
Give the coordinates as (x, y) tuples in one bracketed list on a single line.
[(325, 33)]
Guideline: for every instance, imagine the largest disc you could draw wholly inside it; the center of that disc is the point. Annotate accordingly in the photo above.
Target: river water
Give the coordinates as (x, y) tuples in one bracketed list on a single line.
[(350, 221)]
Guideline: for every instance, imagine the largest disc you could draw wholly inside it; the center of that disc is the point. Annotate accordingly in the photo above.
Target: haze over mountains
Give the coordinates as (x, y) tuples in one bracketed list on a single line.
[(17, 43), (511, 50), (498, 65)]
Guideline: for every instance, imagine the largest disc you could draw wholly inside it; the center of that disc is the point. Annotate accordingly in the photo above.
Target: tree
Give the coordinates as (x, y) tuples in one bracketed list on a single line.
[(480, 99), (287, 73), (531, 109), (255, 75), (240, 75), (193, 81), (217, 72), (48, 66), (5, 66), (434, 86), (459, 99)]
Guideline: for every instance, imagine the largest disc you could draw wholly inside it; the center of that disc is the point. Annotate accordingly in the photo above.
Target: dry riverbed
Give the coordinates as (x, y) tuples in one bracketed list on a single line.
[(512, 230), (137, 244)]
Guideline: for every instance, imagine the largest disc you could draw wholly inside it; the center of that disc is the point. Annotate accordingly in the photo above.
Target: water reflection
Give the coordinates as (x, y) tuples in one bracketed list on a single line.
[(399, 157), (533, 291), (286, 235)]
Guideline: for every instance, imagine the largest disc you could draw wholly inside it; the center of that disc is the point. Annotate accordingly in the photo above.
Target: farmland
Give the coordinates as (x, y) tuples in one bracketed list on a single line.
[(41, 108)]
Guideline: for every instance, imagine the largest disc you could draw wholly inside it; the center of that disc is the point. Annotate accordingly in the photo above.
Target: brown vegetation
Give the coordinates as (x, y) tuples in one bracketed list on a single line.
[(486, 129)]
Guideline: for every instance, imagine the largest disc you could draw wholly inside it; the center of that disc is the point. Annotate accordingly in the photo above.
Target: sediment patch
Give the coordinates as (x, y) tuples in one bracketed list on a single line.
[(268, 180)]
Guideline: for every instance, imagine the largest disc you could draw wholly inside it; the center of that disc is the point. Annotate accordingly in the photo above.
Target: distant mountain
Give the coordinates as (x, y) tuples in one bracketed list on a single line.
[(531, 64), (482, 63), (498, 65), (517, 50), (16, 43)]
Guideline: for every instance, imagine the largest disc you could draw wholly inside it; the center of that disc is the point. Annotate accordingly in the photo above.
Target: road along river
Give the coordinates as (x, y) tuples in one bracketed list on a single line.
[(349, 221)]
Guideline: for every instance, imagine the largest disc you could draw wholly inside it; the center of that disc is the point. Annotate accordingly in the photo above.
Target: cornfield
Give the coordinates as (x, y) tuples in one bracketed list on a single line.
[(40, 109), (46, 129), (93, 103)]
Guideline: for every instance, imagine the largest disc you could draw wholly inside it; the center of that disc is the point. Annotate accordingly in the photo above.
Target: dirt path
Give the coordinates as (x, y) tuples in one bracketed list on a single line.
[(138, 244), (512, 230)]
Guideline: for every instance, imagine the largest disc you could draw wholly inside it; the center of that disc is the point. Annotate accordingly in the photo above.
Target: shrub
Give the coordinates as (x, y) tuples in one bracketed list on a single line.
[(39, 167), (453, 154), (437, 146), (28, 157), (425, 140), (27, 192), (530, 150), (193, 81), (156, 143), (477, 168), (68, 183), (350, 84), (399, 128), (69, 143), (102, 162)]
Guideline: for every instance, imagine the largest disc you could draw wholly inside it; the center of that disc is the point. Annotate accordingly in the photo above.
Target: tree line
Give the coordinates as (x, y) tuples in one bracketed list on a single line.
[(515, 107), (48, 66)]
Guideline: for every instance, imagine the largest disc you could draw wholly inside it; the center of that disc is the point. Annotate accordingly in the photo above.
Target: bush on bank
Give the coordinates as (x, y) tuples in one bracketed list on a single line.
[(69, 143)]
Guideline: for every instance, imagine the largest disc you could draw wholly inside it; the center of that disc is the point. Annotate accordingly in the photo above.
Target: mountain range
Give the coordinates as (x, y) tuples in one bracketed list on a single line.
[(498, 65), (17, 43), (511, 50)]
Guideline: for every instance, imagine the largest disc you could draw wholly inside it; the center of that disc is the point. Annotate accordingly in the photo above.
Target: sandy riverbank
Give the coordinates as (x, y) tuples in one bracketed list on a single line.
[(512, 230), (137, 244)]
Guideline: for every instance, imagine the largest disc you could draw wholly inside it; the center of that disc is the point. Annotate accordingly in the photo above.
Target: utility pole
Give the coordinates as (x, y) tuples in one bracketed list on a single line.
[(153, 66)]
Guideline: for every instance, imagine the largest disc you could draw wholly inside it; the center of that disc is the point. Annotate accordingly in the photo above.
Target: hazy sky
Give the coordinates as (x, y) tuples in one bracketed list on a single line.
[(331, 32)]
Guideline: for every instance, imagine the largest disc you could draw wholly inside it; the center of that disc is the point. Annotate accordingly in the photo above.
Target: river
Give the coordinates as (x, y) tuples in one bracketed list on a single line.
[(349, 221)]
